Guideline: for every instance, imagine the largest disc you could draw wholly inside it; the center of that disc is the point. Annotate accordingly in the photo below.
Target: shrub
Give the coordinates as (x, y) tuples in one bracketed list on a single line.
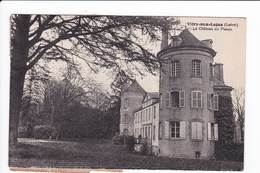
[(22, 132), (44, 132), (118, 140), (130, 142)]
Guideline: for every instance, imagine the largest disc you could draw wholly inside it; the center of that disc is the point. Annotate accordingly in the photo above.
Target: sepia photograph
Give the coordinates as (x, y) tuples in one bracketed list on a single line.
[(127, 92)]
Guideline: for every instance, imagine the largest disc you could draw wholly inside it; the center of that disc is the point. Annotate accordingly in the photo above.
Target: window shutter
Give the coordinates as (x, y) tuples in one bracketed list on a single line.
[(199, 130), (209, 100), (216, 131), (216, 102), (182, 98), (193, 99), (182, 129), (209, 131), (193, 130), (167, 100), (199, 97), (166, 130), (161, 100)]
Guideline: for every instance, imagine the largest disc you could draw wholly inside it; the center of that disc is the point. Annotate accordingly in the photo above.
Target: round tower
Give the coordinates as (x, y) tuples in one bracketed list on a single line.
[(187, 101)]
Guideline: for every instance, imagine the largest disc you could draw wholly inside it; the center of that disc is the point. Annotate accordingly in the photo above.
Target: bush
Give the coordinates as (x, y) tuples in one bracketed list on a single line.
[(44, 132), (130, 142), (231, 152), (22, 132), (118, 140)]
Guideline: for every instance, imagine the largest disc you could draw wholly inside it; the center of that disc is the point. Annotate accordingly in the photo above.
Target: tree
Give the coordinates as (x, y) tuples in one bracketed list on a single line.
[(239, 109), (100, 41), (32, 96), (224, 148), (59, 95)]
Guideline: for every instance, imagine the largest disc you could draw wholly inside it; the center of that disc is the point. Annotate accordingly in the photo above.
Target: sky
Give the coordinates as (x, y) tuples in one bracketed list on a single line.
[(229, 41)]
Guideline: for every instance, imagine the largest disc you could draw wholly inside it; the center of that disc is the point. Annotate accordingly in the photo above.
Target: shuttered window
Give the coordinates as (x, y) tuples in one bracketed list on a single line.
[(196, 99), (196, 130), (212, 131), (177, 129)]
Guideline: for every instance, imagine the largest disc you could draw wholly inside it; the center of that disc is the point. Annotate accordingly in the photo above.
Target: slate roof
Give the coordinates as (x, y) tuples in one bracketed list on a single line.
[(189, 40), (134, 87), (153, 95), (220, 85)]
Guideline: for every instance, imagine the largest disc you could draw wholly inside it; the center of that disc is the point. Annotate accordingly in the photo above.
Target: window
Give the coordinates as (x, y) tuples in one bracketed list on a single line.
[(196, 130), (160, 130), (178, 98), (175, 129), (212, 131), (196, 99), (154, 112), (161, 100), (149, 113), (126, 118), (153, 132), (149, 130), (126, 103), (167, 100), (146, 132), (196, 68), (175, 69), (146, 116), (215, 102)]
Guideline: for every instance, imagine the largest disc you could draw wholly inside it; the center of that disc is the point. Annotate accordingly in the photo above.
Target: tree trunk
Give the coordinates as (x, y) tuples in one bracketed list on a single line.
[(19, 54)]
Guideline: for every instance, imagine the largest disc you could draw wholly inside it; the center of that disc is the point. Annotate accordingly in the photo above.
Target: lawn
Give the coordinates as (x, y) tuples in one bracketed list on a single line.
[(93, 153)]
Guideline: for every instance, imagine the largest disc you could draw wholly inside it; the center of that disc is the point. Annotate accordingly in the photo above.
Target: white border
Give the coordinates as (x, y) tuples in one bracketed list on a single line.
[(250, 10)]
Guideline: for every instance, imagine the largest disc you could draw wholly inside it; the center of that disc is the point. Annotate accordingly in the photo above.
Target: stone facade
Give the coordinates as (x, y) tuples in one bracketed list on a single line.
[(131, 99), (189, 86), (187, 145)]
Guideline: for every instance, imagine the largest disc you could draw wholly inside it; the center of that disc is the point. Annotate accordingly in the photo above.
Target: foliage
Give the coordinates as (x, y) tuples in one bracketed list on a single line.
[(44, 132), (110, 42), (130, 142), (239, 109), (23, 132), (224, 147)]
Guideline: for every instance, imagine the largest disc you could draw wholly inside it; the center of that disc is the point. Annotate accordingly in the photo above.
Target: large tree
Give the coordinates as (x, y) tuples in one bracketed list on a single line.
[(100, 41), (239, 109)]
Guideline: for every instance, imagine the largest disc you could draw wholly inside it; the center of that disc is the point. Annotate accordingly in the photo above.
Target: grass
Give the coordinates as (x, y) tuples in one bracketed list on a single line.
[(93, 153)]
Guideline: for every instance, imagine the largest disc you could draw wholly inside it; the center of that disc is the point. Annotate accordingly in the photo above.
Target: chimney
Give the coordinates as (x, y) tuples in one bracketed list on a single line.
[(175, 41), (164, 43), (207, 43), (218, 71)]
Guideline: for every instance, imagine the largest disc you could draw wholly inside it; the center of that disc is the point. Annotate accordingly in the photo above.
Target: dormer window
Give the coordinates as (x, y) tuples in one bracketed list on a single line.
[(175, 69), (196, 68)]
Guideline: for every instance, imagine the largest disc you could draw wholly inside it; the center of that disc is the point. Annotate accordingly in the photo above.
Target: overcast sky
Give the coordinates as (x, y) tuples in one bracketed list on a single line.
[(228, 36), (229, 45)]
